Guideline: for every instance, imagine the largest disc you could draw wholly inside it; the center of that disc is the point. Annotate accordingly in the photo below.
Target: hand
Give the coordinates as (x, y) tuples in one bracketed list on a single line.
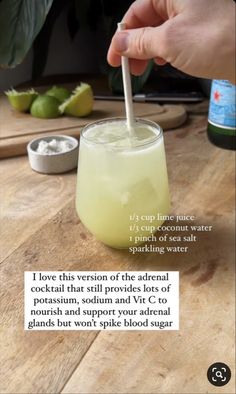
[(195, 36)]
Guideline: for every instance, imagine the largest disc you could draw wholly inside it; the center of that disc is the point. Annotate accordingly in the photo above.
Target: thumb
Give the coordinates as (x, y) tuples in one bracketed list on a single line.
[(143, 43)]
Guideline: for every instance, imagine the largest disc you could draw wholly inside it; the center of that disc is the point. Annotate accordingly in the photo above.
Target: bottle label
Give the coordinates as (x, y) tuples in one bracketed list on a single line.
[(222, 110)]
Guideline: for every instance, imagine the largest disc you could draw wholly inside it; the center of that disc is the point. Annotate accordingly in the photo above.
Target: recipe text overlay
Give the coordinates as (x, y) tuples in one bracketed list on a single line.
[(175, 235), (101, 300)]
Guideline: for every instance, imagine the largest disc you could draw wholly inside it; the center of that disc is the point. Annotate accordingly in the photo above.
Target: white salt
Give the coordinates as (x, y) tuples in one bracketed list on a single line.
[(54, 146)]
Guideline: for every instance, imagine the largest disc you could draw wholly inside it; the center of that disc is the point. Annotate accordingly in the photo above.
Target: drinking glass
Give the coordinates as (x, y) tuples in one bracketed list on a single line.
[(122, 183)]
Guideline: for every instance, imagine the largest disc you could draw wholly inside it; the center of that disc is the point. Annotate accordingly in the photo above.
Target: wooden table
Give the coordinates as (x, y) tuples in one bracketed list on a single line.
[(41, 231)]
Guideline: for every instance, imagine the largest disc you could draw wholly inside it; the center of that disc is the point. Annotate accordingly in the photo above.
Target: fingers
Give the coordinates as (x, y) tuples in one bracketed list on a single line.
[(160, 61), (113, 58), (143, 43), (142, 13), (138, 41), (137, 67)]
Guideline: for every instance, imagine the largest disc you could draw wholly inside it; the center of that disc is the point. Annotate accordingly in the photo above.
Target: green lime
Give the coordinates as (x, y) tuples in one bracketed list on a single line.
[(45, 107), (21, 101), (80, 103), (60, 93)]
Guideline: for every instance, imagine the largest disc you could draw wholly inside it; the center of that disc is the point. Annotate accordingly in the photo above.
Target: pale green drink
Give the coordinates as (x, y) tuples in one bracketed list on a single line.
[(119, 178)]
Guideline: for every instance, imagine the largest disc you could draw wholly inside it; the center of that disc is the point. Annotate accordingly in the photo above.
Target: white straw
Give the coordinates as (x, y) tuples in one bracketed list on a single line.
[(127, 88)]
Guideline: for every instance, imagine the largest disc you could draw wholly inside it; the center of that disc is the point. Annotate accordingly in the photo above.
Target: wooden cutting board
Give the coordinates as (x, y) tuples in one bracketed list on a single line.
[(17, 129)]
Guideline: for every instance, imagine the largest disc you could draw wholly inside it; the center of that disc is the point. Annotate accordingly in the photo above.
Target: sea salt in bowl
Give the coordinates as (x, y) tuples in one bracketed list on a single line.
[(53, 154)]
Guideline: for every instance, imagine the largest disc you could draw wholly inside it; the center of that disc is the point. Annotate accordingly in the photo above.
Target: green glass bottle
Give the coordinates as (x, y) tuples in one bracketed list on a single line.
[(221, 128)]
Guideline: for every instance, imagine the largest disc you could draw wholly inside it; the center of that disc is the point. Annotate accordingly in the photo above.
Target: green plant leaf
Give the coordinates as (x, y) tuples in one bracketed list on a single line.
[(20, 22)]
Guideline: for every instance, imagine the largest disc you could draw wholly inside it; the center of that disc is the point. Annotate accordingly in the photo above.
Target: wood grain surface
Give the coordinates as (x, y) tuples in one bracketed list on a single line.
[(41, 231)]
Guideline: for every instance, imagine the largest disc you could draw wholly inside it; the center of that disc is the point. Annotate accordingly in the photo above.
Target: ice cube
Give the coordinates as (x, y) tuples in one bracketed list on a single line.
[(142, 194)]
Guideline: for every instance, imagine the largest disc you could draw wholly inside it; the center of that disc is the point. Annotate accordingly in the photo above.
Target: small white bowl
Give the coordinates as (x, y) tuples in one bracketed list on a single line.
[(56, 163)]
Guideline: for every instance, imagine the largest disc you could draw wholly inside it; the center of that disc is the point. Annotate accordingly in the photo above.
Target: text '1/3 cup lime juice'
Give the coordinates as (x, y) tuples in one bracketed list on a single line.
[(121, 177)]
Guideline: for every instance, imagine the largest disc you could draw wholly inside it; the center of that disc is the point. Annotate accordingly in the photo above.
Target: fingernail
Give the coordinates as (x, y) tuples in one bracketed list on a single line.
[(121, 42)]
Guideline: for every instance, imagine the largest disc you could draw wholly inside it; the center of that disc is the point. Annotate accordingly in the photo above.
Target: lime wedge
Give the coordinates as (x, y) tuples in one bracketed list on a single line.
[(21, 101), (59, 93), (45, 107), (80, 103)]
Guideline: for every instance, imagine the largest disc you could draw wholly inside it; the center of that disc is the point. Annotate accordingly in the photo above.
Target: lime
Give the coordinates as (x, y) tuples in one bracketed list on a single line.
[(80, 103), (21, 101), (45, 107), (60, 93)]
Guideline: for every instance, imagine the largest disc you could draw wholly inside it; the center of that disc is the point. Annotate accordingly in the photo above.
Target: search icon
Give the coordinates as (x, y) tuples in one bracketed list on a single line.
[(219, 374)]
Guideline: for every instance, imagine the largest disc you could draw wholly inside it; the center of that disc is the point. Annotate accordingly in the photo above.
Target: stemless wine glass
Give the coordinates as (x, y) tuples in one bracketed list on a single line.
[(122, 185)]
